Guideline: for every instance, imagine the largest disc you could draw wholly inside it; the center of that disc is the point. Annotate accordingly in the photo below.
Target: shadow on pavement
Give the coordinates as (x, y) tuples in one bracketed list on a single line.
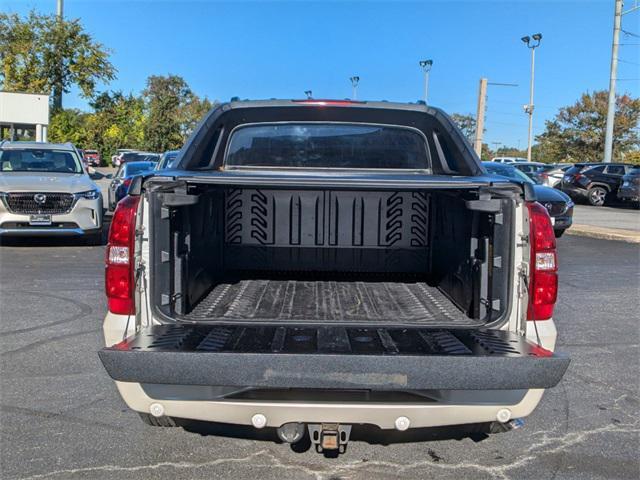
[(360, 433), (56, 241)]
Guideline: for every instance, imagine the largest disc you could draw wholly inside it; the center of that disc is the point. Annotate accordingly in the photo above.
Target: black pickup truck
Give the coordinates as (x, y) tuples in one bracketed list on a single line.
[(314, 265)]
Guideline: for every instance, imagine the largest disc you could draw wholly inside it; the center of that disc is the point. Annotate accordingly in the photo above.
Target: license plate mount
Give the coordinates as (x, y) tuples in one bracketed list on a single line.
[(40, 219)]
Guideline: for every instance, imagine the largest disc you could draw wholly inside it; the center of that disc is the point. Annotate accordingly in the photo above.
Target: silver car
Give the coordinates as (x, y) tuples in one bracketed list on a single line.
[(45, 191)]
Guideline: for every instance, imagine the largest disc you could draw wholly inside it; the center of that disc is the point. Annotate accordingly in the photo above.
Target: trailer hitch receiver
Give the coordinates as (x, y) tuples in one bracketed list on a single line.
[(329, 436)]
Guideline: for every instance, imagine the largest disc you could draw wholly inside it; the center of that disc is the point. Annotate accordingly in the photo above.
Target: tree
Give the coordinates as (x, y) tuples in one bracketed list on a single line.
[(69, 126), (466, 123), (42, 52), (577, 132), (193, 113), (119, 121), (485, 153), (165, 99), (632, 157), (173, 111)]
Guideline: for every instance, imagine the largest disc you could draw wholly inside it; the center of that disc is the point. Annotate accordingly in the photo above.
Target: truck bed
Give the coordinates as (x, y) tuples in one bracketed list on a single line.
[(327, 301)]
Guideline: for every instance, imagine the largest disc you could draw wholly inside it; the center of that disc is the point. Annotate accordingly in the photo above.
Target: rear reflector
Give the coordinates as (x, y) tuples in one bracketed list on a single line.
[(119, 272), (543, 278)]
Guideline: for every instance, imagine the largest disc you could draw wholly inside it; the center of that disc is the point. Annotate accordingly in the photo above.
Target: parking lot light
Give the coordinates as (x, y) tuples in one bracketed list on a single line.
[(426, 68)]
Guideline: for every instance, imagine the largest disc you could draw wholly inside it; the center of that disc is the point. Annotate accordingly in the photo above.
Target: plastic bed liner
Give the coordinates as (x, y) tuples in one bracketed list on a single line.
[(325, 301), (333, 357)]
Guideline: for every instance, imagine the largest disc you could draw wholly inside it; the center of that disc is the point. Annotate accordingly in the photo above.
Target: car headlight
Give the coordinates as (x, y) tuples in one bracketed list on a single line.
[(89, 194)]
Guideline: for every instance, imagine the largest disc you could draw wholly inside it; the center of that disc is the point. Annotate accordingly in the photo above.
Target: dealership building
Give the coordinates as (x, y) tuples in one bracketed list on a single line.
[(24, 116)]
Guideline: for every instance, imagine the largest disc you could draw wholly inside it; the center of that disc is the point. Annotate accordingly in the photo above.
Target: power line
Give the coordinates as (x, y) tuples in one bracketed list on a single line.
[(629, 62), (504, 113), (626, 32)]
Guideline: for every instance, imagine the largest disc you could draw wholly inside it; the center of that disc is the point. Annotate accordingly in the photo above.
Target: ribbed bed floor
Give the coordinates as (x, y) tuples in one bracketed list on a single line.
[(329, 301)]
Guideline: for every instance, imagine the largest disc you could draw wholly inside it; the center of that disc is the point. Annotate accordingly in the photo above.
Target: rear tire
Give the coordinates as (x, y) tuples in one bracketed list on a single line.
[(558, 233), (597, 196), (166, 422)]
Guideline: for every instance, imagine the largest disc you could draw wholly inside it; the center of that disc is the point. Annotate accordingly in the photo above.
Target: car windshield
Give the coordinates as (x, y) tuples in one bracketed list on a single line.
[(137, 168), (43, 160), (317, 145), (508, 171)]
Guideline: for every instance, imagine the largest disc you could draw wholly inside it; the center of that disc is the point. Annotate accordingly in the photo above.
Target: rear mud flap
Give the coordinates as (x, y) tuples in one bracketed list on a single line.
[(333, 357)]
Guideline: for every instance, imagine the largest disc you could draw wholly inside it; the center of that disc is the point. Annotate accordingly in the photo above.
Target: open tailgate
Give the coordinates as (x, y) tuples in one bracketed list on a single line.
[(333, 357)]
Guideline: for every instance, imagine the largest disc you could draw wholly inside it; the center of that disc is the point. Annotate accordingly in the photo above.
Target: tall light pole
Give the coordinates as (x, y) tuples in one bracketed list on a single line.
[(426, 68), (308, 93), (354, 83), (532, 45), (611, 107), (57, 87)]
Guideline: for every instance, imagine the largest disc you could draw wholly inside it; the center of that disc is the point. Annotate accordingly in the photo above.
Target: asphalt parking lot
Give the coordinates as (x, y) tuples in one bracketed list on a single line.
[(61, 417), (619, 217)]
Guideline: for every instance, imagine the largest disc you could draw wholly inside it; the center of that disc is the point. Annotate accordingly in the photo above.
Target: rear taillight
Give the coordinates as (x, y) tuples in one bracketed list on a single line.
[(543, 279), (119, 273), (126, 182)]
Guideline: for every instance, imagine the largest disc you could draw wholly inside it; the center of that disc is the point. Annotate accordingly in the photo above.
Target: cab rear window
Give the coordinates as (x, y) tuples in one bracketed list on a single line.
[(327, 145)]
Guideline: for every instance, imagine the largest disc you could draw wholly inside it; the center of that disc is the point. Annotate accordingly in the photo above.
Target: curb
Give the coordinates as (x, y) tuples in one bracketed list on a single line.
[(619, 234)]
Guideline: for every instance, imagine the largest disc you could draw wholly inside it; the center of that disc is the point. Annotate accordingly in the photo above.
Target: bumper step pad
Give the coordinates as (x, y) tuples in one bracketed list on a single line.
[(333, 357)]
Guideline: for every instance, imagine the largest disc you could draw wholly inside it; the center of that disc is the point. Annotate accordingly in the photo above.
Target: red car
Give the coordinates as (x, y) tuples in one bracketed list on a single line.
[(93, 158)]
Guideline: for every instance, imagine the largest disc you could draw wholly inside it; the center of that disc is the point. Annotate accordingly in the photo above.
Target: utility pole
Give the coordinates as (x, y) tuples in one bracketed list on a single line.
[(611, 107), (482, 108), (57, 88), (354, 83), (426, 68), (529, 108), (482, 96)]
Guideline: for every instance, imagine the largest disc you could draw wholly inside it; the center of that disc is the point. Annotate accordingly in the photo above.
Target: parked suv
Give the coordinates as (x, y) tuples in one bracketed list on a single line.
[(45, 191), (629, 191), (594, 182), (92, 157)]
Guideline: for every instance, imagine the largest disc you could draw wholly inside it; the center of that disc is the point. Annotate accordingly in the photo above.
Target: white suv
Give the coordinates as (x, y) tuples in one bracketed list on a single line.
[(45, 191)]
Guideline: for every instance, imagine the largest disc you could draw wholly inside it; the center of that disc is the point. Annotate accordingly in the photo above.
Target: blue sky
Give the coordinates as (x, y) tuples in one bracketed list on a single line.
[(280, 49)]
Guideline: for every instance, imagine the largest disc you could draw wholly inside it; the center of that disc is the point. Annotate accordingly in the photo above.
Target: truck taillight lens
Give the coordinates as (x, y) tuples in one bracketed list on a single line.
[(543, 279), (119, 273)]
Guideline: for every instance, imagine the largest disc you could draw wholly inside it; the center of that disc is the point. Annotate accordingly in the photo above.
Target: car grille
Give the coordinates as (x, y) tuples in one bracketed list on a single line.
[(555, 208), (39, 202)]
